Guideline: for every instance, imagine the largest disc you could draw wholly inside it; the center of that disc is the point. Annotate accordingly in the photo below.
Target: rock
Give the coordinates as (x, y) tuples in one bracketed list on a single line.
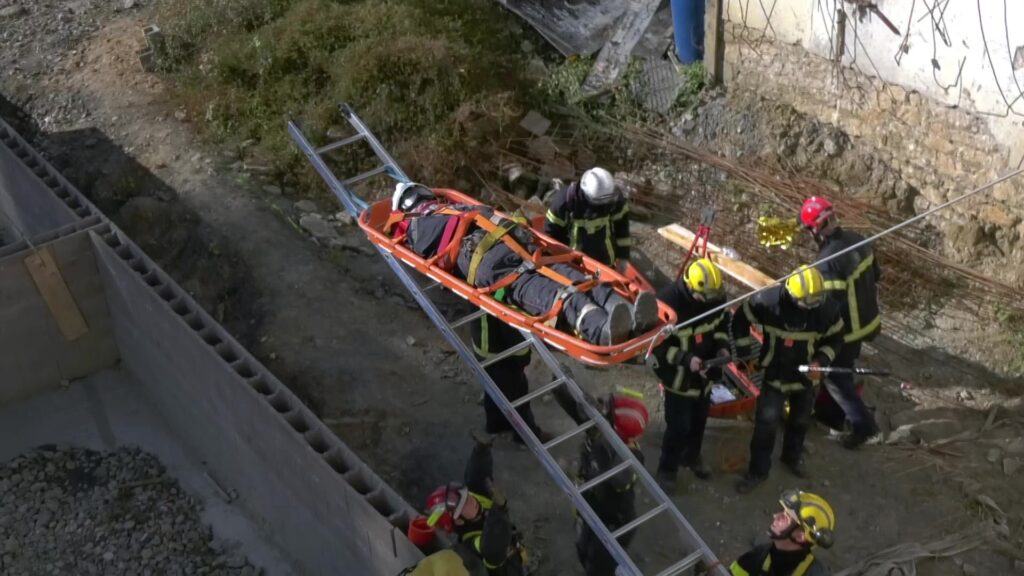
[(344, 218), (129, 4), (13, 11), (305, 206), (318, 227), (1011, 465), (993, 455), (543, 148), (410, 341), (180, 115), (1018, 565), (535, 123), (108, 556), (271, 189), (235, 560), (969, 569)]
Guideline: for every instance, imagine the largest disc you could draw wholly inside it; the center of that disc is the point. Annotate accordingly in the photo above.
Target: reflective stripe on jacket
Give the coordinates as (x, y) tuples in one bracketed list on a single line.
[(851, 280), (703, 340), (792, 335), (601, 232)]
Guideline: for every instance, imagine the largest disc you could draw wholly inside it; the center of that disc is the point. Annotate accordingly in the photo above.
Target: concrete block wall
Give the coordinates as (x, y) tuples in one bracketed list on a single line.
[(322, 506), (36, 356)]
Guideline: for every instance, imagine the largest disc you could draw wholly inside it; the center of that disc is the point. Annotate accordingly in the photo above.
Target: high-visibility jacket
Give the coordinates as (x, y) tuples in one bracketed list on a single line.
[(459, 560), (759, 561), (601, 232), (792, 335), (704, 340), (851, 280)]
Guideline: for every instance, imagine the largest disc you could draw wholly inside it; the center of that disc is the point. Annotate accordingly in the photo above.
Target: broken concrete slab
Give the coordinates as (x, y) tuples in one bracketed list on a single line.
[(535, 123), (572, 27)]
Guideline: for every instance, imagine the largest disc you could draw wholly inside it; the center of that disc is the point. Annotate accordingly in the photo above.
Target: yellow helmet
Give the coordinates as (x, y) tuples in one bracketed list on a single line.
[(704, 277), (807, 287), (813, 513)]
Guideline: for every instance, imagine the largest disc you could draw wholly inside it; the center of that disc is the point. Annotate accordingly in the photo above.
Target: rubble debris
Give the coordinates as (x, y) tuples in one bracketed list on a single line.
[(535, 123), (307, 206), (317, 227), (77, 511), (1011, 465)]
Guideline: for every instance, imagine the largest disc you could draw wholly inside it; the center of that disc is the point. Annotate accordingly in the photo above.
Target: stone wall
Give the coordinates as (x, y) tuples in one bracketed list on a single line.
[(940, 150)]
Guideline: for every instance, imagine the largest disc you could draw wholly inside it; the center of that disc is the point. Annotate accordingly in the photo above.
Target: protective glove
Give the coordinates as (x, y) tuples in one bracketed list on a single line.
[(812, 375)]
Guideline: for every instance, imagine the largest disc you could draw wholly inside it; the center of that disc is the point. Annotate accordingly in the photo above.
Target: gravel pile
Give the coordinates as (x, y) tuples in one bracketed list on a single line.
[(73, 511)]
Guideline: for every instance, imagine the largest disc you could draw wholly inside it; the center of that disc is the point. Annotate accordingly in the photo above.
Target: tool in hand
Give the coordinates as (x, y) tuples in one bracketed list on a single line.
[(804, 369)]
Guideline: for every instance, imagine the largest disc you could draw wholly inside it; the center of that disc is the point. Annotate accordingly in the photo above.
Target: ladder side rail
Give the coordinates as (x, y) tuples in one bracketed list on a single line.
[(690, 536)]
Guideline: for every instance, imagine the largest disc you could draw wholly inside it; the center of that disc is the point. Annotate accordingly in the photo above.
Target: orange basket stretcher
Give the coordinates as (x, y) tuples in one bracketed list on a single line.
[(374, 219)]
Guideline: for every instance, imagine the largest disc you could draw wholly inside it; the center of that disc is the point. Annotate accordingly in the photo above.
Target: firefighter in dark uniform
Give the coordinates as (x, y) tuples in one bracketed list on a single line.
[(491, 337), (851, 281), (678, 365), (801, 326), (592, 216), (614, 499), (476, 512), (805, 522)]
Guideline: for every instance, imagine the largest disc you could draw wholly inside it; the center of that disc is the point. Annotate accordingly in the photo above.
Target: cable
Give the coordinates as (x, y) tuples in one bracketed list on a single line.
[(988, 55), (866, 241)]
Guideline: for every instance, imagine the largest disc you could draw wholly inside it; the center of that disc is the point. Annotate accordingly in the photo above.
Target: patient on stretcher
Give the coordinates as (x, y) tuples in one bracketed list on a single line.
[(498, 258)]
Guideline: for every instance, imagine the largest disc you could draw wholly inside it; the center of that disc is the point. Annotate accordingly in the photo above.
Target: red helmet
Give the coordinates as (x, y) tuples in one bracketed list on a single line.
[(445, 504), (630, 417), (815, 212)]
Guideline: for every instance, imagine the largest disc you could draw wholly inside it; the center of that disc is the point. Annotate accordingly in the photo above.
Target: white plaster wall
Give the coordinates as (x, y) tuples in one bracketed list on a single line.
[(972, 68)]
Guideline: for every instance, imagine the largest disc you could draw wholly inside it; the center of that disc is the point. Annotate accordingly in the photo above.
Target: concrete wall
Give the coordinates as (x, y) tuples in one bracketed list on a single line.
[(324, 508), (944, 130), (960, 54), (36, 356)]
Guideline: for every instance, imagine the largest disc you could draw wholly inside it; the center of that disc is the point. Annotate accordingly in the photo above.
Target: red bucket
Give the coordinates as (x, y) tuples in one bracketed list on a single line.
[(420, 533)]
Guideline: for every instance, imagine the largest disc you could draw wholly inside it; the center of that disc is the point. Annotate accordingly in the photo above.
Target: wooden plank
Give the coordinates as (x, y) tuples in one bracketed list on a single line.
[(736, 269), (714, 42), (51, 286), (613, 57)]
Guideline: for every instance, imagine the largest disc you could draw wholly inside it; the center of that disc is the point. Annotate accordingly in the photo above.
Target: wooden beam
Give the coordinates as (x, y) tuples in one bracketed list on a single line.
[(714, 41), (51, 286), (614, 56), (736, 269)]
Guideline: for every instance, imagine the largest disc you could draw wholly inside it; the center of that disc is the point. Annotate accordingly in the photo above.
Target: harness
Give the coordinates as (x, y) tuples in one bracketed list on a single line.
[(495, 228)]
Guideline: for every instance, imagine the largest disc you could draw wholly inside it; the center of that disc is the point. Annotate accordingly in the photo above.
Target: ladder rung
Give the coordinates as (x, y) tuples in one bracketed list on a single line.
[(605, 475), (339, 144), (369, 173), (559, 439), (431, 286), (506, 353), (640, 519), (688, 562), (538, 392), (467, 318)]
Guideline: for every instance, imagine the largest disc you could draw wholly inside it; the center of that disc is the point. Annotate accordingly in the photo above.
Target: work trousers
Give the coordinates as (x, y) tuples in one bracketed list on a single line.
[(535, 294), (844, 391), (685, 419), (770, 412)]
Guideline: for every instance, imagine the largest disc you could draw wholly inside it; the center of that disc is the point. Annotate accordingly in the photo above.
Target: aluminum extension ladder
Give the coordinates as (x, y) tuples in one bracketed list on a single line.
[(700, 553)]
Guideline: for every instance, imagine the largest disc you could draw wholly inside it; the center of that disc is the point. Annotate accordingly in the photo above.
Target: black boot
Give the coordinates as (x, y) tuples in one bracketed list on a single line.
[(749, 481), (798, 467), (700, 469)]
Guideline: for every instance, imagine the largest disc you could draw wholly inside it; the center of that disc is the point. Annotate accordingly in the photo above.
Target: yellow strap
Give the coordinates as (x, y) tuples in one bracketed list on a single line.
[(482, 248), (804, 566)]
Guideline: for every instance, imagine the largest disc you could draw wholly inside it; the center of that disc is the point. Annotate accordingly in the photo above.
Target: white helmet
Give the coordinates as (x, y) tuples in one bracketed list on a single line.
[(598, 186), (408, 194)]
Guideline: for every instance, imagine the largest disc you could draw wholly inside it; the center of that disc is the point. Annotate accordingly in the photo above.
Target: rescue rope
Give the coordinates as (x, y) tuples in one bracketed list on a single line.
[(890, 230)]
